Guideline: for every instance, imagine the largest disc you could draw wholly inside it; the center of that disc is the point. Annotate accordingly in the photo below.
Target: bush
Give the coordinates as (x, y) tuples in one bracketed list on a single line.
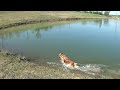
[(106, 13), (100, 13)]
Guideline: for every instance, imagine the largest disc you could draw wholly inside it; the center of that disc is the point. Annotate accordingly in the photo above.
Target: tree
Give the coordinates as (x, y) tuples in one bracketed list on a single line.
[(106, 13)]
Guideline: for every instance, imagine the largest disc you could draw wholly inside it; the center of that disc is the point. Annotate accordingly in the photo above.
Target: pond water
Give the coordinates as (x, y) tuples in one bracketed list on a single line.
[(90, 43)]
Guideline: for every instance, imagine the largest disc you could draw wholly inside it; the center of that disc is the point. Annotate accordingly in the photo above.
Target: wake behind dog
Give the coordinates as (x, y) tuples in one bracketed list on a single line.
[(67, 62)]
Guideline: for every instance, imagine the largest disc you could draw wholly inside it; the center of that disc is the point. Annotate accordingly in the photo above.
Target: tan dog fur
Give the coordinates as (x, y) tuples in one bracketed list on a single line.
[(67, 62)]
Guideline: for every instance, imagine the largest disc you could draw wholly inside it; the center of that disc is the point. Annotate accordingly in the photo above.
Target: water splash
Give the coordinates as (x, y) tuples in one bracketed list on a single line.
[(94, 70), (87, 68)]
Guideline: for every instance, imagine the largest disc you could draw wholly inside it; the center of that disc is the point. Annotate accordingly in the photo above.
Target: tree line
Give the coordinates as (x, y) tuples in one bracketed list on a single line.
[(106, 13)]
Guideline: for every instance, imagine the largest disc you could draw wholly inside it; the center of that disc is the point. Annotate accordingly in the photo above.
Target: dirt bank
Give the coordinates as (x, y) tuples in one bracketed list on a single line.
[(16, 18), (14, 67)]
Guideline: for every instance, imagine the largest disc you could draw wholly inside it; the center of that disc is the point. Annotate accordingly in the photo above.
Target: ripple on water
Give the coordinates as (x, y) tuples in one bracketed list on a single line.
[(92, 70)]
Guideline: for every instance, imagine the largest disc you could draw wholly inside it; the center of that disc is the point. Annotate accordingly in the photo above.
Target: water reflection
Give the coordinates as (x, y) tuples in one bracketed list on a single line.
[(28, 36), (116, 26), (37, 31), (106, 21), (99, 22), (84, 22)]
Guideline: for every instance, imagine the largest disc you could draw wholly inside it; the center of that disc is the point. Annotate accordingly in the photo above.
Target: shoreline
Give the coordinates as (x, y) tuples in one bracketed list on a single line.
[(17, 18), (13, 66), (48, 20)]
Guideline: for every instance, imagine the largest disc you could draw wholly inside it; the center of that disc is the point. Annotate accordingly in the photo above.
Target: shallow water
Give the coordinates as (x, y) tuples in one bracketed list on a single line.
[(94, 44), (91, 71)]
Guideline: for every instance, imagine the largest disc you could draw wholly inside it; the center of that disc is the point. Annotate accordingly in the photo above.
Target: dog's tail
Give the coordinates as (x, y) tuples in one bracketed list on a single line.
[(76, 65)]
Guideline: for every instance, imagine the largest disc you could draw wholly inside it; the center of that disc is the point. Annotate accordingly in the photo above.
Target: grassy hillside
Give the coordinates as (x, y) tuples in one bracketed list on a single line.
[(14, 18)]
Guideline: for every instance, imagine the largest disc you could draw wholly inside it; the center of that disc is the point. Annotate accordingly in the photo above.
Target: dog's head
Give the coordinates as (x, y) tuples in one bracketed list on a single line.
[(60, 54)]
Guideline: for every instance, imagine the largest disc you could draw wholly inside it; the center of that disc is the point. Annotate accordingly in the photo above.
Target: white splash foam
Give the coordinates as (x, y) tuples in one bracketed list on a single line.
[(87, 68), (92, 69)]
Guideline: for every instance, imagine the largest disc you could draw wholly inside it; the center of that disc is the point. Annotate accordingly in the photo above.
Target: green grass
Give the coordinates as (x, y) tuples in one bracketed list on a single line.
[(11, 17)]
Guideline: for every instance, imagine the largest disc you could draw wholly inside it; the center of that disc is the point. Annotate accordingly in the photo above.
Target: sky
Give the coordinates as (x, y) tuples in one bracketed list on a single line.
[(115, 13)]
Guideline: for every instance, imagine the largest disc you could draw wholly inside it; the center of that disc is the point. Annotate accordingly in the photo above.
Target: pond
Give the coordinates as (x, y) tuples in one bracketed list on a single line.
[(87, 42)]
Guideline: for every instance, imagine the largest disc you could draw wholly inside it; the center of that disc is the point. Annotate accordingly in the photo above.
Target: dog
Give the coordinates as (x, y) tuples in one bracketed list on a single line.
[(67, 62)]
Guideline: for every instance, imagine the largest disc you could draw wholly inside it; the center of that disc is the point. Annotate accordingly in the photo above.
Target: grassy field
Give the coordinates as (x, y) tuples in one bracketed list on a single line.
[(14, 18)]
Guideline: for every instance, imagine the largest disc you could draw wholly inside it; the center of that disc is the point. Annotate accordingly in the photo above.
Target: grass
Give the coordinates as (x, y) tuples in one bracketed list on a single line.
[(11, 67), (9, 18), (33, 26)]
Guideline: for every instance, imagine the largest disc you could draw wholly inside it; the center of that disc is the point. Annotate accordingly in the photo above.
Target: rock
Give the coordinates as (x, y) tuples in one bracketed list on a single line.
[(28, 59), (22, 58), (7, 53)]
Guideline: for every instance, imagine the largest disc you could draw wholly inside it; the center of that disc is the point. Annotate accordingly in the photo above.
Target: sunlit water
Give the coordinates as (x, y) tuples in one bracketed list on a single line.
[(93, 44)]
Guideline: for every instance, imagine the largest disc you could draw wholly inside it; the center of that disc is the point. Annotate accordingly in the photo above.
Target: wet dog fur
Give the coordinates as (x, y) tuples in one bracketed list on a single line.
[(67, 62)]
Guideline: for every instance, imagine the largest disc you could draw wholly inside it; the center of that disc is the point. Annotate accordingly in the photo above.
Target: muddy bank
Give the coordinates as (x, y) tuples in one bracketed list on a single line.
[(46, 20), (13, 66)]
